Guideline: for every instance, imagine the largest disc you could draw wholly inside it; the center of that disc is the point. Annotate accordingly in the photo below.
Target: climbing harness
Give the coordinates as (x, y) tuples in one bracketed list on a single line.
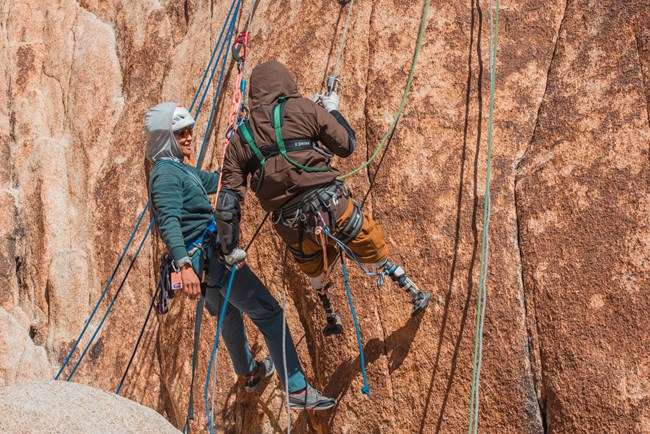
[(482, 293), (304, 213)]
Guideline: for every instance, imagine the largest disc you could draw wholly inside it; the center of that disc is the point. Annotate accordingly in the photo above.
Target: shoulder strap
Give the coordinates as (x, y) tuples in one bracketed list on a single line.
[(277, 118), (244, 130)]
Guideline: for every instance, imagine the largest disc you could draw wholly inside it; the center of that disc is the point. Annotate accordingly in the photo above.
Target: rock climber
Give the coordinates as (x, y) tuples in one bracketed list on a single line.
[(286, 147), (184, 218)]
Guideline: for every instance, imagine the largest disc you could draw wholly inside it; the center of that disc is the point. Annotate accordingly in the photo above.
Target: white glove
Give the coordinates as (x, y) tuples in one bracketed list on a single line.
[(330, 102), (235, 257)]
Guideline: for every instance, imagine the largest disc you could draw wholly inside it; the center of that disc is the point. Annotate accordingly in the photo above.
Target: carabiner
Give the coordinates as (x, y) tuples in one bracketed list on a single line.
[(242, 39)]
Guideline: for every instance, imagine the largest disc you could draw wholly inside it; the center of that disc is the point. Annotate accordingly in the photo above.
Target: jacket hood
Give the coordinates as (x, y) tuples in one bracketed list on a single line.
[(161, 143), (269, 81)]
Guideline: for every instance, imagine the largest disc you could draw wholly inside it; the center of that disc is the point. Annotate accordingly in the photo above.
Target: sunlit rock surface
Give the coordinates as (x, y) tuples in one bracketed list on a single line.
[(566, 336)]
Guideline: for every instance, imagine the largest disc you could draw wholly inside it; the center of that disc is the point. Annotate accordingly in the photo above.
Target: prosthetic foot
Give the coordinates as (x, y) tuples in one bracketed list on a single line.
[(334, 326), (420, 299)]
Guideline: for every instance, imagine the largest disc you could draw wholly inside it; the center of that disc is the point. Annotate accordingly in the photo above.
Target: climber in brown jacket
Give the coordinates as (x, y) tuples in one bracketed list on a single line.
[(286, 147)]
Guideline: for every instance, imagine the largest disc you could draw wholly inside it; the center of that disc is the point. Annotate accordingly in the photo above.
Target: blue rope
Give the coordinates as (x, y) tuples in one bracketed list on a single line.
[(205, 74), (351, 254), (137, 343), (365, 389), (215, 345), (110, 306), (110, 280), (216, 46), (231, 33), (128, 244)]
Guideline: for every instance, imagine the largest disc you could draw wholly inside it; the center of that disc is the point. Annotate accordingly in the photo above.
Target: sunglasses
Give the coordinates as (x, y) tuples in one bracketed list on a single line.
[(187, 131)]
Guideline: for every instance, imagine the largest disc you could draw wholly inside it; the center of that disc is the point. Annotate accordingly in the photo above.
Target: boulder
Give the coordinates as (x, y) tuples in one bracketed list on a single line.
[(20, 359), (64, 407)]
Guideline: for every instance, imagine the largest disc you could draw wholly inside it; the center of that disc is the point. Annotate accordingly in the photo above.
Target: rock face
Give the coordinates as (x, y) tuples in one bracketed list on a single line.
[(566, 339), (62, 407)]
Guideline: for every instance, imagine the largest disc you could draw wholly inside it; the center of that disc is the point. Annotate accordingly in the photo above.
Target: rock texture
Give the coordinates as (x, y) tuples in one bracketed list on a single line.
[(60, 407), (565, 343), (20, 359)]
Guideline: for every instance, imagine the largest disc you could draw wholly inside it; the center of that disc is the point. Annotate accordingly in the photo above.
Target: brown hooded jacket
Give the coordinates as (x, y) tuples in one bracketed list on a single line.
[(303, 118)]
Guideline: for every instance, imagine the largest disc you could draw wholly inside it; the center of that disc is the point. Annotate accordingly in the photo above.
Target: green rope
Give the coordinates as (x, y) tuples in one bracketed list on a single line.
[(473, 424), (406, 91)]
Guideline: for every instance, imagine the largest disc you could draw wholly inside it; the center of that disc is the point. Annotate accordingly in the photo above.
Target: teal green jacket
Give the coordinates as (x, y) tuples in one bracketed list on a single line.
[(182, 209)]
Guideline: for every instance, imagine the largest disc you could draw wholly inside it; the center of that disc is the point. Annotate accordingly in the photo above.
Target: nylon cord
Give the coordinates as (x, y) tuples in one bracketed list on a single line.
[(215, 347), (406, 92), (480, 312), (137, 343), (284, 339), (342, 44)]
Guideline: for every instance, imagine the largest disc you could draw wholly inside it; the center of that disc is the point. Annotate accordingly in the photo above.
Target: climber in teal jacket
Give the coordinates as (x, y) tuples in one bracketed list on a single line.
[(183, 214)]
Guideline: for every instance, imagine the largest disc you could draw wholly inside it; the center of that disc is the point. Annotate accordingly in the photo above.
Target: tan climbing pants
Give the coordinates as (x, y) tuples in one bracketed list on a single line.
[(368, 246)]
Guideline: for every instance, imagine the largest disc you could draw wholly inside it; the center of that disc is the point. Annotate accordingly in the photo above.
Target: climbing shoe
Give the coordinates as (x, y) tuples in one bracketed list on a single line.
[(263, 370), (334, 326), (310, 399)]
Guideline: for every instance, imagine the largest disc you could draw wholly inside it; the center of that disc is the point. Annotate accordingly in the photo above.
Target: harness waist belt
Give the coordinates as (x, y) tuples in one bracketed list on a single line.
[(273, 150), (196, 244), (312, 199)]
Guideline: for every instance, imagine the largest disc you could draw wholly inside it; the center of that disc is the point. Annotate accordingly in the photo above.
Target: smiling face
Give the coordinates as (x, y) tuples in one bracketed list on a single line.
[(184, 139)]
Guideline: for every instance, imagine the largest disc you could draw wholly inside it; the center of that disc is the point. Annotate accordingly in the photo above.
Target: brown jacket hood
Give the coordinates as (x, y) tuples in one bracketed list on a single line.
[(269, 81)]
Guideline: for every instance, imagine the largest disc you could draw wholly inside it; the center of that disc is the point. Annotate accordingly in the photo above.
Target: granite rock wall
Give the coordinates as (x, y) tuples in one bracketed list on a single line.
[(565, 342)]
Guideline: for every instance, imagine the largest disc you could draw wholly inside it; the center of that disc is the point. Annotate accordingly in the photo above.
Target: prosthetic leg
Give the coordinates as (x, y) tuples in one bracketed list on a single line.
[(334, 325), (419, 299)]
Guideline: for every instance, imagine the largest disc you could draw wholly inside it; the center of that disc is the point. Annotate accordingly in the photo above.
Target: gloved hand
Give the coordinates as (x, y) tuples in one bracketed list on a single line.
[(330, 102), (237, 256)]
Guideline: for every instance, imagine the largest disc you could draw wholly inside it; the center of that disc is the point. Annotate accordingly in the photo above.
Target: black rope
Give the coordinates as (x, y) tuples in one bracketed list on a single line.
[(137, 344), (381, 160), (189, 421), (257, 232)]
